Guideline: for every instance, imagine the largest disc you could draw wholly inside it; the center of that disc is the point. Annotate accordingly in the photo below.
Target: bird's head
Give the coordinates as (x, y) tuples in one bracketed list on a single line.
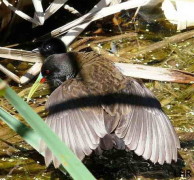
[(52, 46), (59, 65)]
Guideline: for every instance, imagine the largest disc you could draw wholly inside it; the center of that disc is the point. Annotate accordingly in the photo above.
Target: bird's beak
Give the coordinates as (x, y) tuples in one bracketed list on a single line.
[(43, 80)]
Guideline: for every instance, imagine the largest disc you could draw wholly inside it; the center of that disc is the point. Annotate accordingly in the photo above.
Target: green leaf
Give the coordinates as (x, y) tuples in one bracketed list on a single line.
[(2, 88), (2, 92), (69, 161), (34, 87), (27, 133)]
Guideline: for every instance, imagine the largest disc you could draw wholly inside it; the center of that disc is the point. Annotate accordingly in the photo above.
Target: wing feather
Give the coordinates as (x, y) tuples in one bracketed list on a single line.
[(155, 148), (149, 140), (56, 127), (143, 137), (80, 128), (146, 129)]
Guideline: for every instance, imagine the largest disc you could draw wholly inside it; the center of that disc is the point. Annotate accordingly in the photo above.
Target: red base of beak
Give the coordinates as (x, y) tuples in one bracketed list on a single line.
[(43, 80)]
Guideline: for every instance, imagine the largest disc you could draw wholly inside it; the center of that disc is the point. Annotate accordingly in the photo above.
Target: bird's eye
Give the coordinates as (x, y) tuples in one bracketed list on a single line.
[(48, 47), (47, 71)]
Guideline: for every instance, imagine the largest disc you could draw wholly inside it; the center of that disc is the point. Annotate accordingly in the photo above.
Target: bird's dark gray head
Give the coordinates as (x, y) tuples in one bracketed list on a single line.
[(59, 65), (52, 46), (58, 68)]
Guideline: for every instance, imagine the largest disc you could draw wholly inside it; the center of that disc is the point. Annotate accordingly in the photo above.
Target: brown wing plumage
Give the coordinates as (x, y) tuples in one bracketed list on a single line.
[(144, 127), (102, 108), (80, 128)]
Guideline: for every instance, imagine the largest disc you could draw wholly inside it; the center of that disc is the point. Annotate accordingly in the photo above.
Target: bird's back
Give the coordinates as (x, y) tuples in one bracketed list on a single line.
[(99, 74)]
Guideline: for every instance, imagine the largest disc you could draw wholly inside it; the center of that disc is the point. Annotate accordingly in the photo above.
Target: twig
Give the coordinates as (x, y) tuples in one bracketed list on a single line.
[(108, 55), (20, 55), (74, 32), (155, 73), (84, 42), (39, 16), (136, 13), (54, 6), (31, 73), (39, 13), (20, 13), (9, 74), (117, 37), (72, 10), (158, 45)]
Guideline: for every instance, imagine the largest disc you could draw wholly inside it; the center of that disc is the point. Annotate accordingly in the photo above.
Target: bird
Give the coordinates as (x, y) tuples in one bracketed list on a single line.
[(94, 107)]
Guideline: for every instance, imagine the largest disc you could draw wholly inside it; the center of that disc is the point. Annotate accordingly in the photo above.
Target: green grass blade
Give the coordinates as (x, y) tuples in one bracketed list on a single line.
[(34, 87), (70, 162), (27, 133)]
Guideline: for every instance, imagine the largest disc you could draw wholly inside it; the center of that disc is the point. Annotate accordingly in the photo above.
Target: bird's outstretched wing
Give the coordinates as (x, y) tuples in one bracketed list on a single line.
[(134, 115), (79, 126), (143, 126)]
